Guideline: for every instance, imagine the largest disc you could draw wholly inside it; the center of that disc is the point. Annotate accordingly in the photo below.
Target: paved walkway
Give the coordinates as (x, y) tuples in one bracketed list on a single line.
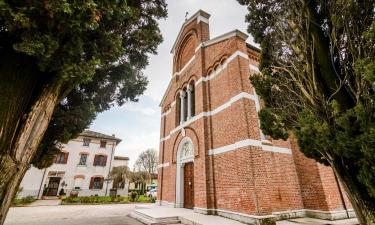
[(312, 221), (116, 214), (150, 214)]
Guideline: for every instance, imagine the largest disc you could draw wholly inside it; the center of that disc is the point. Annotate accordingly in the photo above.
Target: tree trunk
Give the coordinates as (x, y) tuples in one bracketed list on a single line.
[(28, 99), (363, 204)]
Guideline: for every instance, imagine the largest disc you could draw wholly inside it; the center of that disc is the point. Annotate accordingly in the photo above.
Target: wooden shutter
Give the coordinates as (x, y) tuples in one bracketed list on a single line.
[(105, 161), (66, 155), (91, 183), (101, 182), (95, 160)]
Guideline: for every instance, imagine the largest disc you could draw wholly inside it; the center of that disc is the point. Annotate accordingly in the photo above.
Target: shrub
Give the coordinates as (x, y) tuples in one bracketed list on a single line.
[(23, 201), (95, 199), (133, 196), (146, 199), (62, 192), (28, 199)]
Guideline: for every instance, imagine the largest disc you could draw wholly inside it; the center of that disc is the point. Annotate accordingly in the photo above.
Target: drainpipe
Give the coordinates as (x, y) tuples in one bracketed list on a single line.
[(41, 182), (109, 170)]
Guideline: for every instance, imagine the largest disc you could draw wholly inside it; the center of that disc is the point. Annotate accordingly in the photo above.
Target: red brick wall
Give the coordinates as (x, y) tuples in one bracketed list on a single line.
[(249, 179), (318, 184)]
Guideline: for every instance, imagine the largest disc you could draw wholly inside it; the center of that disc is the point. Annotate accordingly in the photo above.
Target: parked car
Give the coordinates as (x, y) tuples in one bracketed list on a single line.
[(152, 193)]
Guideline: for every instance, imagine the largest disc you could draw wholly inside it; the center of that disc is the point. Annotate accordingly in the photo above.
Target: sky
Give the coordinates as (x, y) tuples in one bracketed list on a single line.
[(138, 124)]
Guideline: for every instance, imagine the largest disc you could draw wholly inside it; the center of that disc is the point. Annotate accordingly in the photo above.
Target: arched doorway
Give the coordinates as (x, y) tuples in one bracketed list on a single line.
[(185, 174)]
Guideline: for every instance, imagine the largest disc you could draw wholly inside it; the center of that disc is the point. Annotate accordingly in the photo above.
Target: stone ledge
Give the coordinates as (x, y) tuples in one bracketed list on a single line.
[(241, 217), (319, 214), (330, 215)]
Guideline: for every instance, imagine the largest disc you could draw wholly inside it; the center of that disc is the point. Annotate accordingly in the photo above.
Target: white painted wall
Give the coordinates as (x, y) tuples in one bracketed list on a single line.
[(31, 183)]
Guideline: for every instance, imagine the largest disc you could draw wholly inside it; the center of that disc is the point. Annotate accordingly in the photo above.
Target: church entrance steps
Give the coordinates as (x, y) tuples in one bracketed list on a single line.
[(161, 215)]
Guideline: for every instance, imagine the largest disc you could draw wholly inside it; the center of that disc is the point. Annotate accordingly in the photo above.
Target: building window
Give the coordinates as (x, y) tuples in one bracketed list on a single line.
[(103, 144), (83, 160), (61, 158), (78, 181), (186, 104), (100, 160), (96, 182), (86, 142), (191, 100)]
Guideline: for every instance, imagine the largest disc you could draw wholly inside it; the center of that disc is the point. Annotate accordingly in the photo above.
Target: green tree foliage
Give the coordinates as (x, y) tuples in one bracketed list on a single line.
[(96, 48), (61, 63), (119, 174), (317, 81)]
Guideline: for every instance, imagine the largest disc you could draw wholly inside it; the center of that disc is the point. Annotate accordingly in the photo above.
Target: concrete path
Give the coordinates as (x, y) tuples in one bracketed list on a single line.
[(312, 221), (52, 202), (153, 214), (116, 214)]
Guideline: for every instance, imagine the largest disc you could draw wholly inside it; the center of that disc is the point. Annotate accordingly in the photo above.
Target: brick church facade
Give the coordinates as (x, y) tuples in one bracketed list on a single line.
[(213, 156)]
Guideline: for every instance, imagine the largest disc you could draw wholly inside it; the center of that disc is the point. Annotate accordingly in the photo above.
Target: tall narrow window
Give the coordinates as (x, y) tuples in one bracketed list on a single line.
[(183, 101), (185, 107), (191, 100), (178, 108)]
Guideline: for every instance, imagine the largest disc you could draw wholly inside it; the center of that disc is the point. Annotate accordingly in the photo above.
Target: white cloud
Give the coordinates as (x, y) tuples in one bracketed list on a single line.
[(134, 144), (135, 107)]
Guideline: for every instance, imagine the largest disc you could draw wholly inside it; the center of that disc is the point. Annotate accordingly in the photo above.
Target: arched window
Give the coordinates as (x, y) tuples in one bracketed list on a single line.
[(178, 106), (191, 99), (185, 107)]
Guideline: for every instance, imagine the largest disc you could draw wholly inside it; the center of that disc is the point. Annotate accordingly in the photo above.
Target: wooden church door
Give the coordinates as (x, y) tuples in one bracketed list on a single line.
[(189, 185)]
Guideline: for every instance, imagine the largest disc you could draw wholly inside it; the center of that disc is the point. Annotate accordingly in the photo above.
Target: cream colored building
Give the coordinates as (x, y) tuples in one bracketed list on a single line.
[(83, 165)]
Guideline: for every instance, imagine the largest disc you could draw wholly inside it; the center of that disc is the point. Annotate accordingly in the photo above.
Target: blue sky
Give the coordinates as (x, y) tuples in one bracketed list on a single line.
[(138, 124)]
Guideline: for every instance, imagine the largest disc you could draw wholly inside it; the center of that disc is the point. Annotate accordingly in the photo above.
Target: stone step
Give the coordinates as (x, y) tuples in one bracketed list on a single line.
[(154, 221)]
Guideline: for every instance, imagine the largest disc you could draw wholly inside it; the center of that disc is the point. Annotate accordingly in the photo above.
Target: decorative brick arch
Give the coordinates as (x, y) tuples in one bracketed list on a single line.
[(185, 154), (186, 49), (189, 132)]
